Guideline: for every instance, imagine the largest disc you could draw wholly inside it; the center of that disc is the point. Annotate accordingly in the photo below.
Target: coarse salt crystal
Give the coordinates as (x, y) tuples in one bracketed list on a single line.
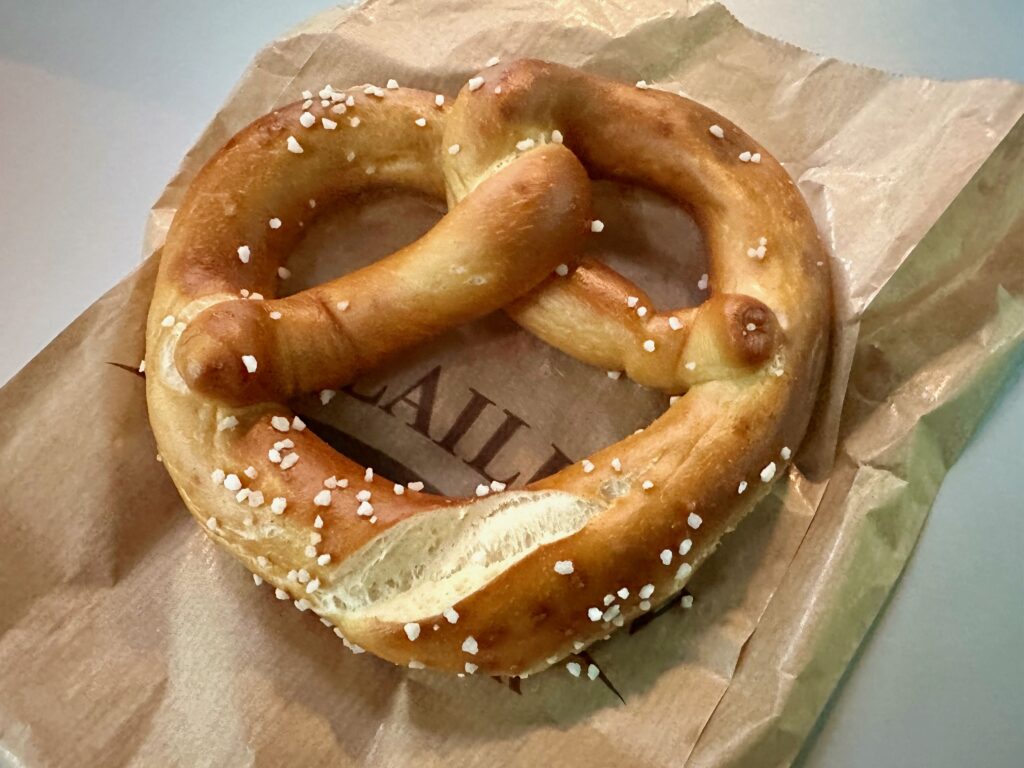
[(649, 345), (694, 520), (684, 546), (666, 556), (768, 472), (228, 422), (475, 82), (716, 131), (574, 668), (293, 146), (563, 567), (597, 226), (450, 615), (470, 646), (307, 119), (588, 466), (412, 630), (278, 505)]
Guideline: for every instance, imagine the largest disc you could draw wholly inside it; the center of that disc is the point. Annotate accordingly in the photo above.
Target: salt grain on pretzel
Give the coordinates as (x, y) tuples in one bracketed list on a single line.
[(746, 391)]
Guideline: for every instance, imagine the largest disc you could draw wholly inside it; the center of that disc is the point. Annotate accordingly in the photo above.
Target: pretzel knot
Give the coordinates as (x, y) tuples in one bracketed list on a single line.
[(513, 581)]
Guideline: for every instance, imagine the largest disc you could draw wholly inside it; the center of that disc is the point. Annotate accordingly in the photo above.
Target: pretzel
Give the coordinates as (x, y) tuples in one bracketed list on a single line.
[(510, 581)]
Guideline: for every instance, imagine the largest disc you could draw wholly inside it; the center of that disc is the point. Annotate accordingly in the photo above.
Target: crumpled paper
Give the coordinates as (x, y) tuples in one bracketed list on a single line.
[(127, 639)]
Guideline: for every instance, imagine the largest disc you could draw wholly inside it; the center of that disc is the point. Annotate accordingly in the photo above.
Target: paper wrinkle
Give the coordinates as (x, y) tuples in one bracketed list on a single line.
[(178, 640)]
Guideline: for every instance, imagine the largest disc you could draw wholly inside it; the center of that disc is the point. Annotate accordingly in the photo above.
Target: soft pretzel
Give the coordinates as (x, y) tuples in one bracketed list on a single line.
[(513, 580)]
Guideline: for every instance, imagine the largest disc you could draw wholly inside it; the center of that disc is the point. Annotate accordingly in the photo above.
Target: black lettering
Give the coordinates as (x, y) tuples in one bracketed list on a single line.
[(495, 443), (470, 413), (555, 462), (371, 399), (423, 404)]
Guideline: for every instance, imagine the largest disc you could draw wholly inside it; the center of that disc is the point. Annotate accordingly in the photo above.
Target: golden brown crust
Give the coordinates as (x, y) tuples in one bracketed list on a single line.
[(630, 522)]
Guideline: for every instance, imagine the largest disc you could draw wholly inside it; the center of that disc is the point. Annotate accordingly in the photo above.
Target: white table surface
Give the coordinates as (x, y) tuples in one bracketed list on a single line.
[(102, 99)]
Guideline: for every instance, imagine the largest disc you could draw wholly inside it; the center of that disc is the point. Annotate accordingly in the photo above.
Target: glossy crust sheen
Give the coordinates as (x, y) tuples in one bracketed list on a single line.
[(749, 359)]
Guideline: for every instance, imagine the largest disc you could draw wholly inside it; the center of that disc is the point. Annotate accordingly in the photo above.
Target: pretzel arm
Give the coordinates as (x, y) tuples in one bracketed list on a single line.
[(589, 314), (480, 255)]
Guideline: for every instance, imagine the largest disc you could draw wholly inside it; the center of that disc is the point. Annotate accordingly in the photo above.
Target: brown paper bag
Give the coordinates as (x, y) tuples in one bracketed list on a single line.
[(127, 639)]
